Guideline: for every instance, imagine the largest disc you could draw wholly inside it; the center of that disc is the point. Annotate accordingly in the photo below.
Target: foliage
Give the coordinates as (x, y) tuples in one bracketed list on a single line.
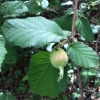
[(15, 31), (27, 28), (83, 55), (19, 8), (7, 96), (2, 50), (40, 76), (85, 30)]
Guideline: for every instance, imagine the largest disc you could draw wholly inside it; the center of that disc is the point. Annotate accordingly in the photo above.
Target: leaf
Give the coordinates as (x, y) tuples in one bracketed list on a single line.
[(54, 2), (43, 76), (19, 8), (70, 11), (33, 7), (35, 31), (85, 29), (7, 96), (97, 83), (81, 14), (98, 73), (75, 95), (85, 76), (11, 55), (65, 19), (83, 55), (2, 50), (92, 72), (25, 78), (64, 97)]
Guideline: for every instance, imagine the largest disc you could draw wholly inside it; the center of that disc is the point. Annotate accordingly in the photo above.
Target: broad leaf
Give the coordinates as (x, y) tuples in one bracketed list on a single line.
[(97, 83), (54, 2), (7, 96), (92, 72), (85, 76), (85, 29), (70, 11), (64, 97), (43, 76), (25, 78), (13, 8), (65, 22), (35, 31), (11, 55), (75, 95), (33, 7), (2, 50), (81, 14), (83, 55)]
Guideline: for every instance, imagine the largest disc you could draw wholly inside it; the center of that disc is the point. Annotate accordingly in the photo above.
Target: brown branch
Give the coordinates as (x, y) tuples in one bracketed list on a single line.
[(80, 83), (74, 20), (96, 44), (72, 38)]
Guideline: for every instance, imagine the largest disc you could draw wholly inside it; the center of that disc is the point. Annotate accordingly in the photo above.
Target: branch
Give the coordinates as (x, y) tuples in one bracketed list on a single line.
[(96, 44), (80, 83), (72, 38), (74, 20)]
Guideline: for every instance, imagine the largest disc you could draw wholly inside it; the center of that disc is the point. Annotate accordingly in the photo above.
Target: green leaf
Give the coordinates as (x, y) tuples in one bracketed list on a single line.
[(33, 7), (85, 76), (11, 55), (7, 96), (97, 83), (83, 55), (25, 78), (85, 29), (54, 2), (2, 50), (92, 72), (35, 31), (65, 19), (43, 76), (81, 14), (98, 73), (13, 8), (70, 11), (64, 97), (75, 95)]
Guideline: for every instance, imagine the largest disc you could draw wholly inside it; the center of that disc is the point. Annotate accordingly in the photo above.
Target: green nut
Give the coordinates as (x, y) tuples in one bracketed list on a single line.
[(59, 60)]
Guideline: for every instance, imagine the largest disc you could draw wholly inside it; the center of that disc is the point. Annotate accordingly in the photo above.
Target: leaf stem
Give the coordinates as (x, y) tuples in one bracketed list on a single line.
[(61, 73), (74, 20)]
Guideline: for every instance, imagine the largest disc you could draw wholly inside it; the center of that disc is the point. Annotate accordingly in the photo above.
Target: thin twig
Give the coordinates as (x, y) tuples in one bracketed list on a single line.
[(72, 38), (74, 20), (80, 83), (96, 44)]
